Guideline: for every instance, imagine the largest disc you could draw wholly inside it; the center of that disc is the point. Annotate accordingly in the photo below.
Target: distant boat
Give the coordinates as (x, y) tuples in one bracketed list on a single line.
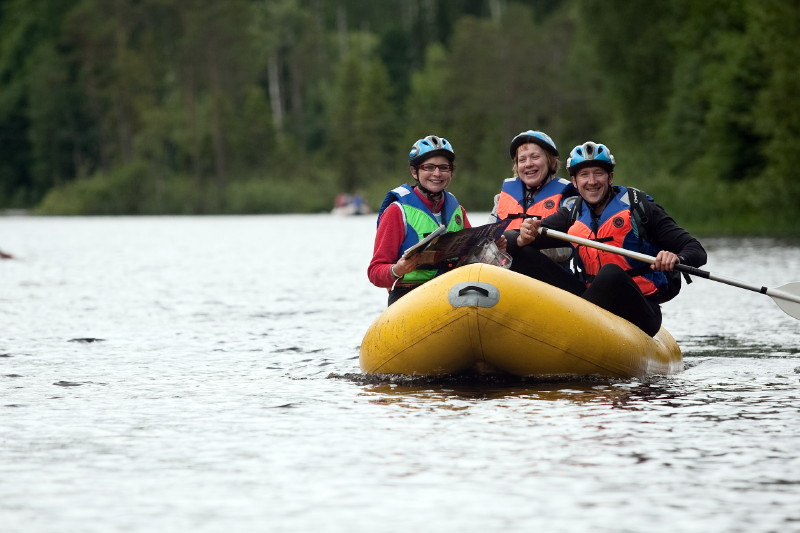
[(4, 255), (350, 204)]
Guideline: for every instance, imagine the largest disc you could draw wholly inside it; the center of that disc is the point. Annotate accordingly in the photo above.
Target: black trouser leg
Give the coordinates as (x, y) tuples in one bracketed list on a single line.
[(614, 290), (397, 292), (533, 263)]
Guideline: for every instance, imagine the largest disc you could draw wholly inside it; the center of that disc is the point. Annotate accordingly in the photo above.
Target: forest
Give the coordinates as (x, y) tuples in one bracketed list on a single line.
[(112, 107)]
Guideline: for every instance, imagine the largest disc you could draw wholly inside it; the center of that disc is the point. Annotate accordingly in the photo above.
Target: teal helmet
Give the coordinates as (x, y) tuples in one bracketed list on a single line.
[(428, 147), (590, 154), (536, 137)]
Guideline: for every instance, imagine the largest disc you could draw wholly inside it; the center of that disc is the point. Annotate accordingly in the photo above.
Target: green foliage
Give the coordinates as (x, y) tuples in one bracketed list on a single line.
[(127, 190), (710, 108), (774, 25), (33, 106), (138, 189), (625, 44), (425, 110), (506, 69), (158, 106), (706, 121), (361, 118)]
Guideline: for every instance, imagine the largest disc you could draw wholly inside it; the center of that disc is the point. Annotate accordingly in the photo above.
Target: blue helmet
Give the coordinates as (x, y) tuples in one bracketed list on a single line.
[(590, 154), (536, 137), (428, 147)]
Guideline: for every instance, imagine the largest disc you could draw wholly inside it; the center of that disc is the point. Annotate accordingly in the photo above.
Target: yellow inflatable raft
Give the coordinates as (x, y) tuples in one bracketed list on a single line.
[(485, 319)]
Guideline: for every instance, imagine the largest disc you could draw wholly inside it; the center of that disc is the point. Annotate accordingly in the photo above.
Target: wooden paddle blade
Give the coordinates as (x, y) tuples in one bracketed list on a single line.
[(788, 298)]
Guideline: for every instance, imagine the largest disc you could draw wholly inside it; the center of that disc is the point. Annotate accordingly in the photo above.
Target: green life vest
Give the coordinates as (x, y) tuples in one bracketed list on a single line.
[(420, 223)]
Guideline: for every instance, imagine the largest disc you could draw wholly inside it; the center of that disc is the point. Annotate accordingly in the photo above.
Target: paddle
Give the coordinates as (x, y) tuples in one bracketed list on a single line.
[(786, 296)]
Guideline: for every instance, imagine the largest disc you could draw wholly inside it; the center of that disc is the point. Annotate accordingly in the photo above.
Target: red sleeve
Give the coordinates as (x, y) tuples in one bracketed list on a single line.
[(388, 239), (466, 220)]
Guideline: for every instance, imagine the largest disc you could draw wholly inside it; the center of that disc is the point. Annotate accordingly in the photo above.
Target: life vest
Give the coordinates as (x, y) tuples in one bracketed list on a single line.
[(620, 224), (546, 201), (420, 222)]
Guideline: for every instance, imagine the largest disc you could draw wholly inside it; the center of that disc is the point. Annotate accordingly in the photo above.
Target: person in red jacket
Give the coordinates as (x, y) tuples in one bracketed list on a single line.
[(409, 213)]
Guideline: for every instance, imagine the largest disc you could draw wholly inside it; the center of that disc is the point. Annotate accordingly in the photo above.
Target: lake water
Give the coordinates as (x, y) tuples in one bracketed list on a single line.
[(221, 392)]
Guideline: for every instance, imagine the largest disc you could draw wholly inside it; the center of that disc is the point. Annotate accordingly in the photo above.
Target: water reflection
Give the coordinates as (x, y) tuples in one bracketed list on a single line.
[(413, 391), (715, 345)]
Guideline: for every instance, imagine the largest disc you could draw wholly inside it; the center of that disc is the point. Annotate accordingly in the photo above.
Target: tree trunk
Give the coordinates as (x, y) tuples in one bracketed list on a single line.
[(217, 133), (275, 100), (190, 110)]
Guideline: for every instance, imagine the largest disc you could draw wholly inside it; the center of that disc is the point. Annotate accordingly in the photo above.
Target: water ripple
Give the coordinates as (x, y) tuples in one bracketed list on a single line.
[(165, 374)]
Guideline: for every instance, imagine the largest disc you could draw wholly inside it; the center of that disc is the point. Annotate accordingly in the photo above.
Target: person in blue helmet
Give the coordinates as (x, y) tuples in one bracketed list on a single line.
[(619, 216), (409, 213), (534, 190)]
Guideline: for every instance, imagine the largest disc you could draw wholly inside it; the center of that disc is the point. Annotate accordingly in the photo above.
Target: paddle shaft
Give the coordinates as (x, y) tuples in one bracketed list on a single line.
[(775, 293)]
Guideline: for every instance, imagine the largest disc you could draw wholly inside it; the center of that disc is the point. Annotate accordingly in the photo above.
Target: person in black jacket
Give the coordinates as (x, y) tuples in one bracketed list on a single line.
[(618, 216)]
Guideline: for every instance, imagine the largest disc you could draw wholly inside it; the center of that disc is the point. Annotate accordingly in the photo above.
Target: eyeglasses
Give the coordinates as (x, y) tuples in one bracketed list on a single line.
[(444, 169)]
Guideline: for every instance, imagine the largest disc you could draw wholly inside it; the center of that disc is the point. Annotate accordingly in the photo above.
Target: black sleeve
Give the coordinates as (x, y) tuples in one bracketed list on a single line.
[(559, 221), (664, 233)]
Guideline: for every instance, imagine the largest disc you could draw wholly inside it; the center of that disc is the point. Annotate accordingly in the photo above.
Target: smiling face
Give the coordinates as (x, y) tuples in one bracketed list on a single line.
[(532, 165), (435, 180), (593, 184)]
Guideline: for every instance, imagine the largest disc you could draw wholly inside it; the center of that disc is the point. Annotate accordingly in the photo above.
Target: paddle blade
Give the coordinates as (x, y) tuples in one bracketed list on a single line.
[(788, 298)]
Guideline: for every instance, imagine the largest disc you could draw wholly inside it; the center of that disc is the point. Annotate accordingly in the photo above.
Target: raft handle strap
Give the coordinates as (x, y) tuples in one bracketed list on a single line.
[(471, 288)]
